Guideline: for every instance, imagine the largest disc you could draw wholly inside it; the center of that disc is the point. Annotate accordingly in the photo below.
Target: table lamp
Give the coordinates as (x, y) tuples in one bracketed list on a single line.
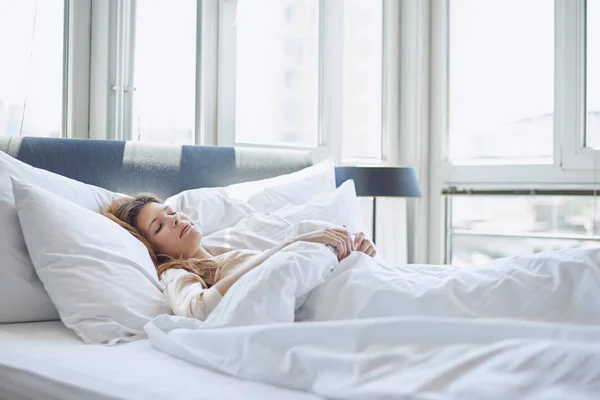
[(375, 181)]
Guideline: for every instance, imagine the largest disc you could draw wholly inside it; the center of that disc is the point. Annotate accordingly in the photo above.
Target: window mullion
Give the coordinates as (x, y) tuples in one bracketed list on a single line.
[(439, 169), (207, 67), (127, 69), (118, 82), (570, 84), (64, 129), (102, 69), (111, 66), (77, 66)]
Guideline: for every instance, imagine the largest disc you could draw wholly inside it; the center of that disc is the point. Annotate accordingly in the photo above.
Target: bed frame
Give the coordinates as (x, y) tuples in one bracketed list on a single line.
[(132, 167)]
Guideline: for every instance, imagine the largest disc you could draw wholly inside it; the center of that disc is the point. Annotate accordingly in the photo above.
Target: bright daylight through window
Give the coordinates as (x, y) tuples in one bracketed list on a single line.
[(31, 72), (500, 112), (362, 78), (501, 79), (277, 72), (165, 71)]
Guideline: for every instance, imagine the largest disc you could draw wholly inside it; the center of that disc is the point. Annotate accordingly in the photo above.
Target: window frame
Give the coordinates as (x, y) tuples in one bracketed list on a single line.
[(330, 81), (76, 74), (111, 69), (572, 164), (573, 167), (111, 88), (575, 155)]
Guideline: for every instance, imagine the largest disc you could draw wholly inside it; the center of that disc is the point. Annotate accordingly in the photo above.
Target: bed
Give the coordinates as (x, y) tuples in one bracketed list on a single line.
[(47, 360), (520, 327)]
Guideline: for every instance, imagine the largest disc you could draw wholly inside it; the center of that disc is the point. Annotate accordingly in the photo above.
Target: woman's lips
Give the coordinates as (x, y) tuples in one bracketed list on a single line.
[(185, 229)]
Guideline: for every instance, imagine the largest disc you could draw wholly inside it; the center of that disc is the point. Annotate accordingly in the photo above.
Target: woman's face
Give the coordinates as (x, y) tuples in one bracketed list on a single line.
[(169, 232)]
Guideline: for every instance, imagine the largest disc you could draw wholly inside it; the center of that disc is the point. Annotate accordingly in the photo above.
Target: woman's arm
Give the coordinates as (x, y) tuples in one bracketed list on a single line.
[(187, 295), (338, 238), (224, 284)]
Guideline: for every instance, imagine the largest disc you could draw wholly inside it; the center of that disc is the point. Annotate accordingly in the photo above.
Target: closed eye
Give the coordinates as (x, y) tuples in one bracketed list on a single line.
[(171, 212)]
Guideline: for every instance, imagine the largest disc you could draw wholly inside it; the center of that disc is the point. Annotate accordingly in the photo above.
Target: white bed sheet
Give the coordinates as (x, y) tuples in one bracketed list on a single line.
[(46, 360)]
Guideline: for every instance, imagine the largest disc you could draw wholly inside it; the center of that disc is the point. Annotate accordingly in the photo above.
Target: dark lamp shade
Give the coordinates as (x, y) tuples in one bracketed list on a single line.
[(380, 181)]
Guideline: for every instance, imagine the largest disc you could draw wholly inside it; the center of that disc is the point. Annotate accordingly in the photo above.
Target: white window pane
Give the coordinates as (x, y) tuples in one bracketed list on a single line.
[(482, 225), (501, 81), (165, 71), (31, 71), (362, 78), (593, 74), (277, 72)]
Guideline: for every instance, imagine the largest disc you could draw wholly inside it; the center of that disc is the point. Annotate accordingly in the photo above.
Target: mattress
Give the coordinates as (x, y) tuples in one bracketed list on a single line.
[(47, 360)]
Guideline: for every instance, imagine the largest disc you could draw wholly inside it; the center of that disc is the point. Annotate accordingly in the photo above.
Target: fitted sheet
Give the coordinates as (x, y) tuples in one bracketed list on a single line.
[(47, 360)]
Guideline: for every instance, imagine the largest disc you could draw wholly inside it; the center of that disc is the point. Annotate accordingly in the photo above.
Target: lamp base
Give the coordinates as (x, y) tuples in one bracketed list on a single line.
[(374, 217)]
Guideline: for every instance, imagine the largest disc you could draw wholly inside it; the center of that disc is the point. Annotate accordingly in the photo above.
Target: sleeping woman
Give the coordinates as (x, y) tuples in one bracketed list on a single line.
[(194, 279)]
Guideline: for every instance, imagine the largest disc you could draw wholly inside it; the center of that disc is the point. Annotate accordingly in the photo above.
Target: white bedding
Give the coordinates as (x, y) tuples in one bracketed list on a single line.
[(45, 360), (522, 327)]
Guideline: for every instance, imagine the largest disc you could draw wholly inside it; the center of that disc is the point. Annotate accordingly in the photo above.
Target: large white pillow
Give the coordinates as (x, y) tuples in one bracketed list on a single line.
[(22, 296), (340, 207), (262, 231), (100, 277), (214, 209), (210, 208), (292, 189)]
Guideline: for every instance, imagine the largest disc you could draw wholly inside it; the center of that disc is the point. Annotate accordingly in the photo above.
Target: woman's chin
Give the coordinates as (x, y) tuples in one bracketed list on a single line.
[(197, 234), (194, 238)]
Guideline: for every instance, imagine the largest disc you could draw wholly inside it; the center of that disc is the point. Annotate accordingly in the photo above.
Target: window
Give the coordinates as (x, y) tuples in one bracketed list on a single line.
[(593, 74), (362, 78), (277, 72), (501, 81), (309, 73), (484, 228), (513, 109), (288, 73), (31, 72), (164, 108)]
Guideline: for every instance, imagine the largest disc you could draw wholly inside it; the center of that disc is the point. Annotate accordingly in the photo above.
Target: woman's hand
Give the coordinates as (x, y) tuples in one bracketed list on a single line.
[(338, 238), (364, 245)]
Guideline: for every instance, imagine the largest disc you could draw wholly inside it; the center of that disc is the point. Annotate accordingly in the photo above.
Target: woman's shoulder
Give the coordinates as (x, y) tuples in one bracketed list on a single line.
[(173, 272)]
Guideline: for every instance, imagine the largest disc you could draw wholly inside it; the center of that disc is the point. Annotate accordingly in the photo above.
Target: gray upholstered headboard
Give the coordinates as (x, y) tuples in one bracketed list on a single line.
[(131, 167)]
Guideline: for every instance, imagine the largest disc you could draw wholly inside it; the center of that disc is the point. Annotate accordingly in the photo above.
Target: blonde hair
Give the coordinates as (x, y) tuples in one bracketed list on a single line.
[(125, 213)]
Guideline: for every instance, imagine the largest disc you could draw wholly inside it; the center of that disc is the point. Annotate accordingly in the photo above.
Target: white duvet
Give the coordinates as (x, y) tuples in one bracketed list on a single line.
[(525, 327)]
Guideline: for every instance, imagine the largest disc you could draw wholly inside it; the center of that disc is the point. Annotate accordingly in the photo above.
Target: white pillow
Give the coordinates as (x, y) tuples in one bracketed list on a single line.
[(296, 188), (22, 296), (214, 209), (340, 207), (100, 277), (210, 208), (262, 231)]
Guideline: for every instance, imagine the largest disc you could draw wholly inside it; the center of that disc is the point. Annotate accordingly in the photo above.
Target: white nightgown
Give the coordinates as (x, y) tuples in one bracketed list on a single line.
[(189, 296)]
